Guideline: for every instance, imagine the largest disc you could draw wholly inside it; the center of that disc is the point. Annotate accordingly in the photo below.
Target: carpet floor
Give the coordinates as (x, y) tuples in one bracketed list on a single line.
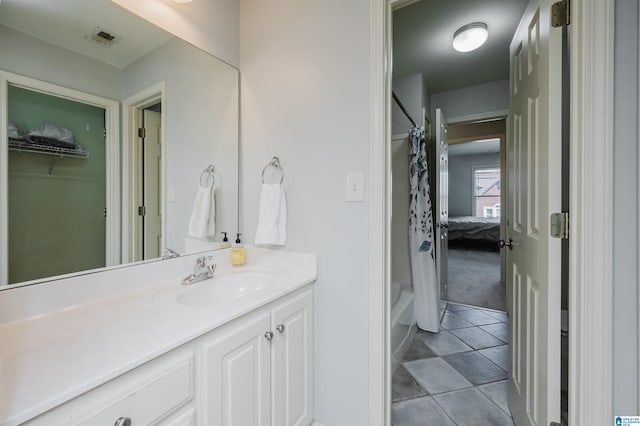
[(474, 278)]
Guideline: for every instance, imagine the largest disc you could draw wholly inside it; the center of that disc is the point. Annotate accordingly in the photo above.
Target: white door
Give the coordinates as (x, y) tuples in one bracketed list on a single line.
[(292, 361), (152, 219), (236, 374), (442, 203), (533, 262)]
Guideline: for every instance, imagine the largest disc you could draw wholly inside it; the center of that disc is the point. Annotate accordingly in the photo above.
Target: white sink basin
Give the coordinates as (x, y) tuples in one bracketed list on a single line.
[(224, 288)]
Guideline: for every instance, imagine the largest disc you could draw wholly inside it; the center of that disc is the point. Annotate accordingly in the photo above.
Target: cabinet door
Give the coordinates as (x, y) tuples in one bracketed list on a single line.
[(292, 362), (236, 377)]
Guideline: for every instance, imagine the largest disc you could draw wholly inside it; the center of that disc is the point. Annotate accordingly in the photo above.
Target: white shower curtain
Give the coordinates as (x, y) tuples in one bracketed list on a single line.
[(423, 267)]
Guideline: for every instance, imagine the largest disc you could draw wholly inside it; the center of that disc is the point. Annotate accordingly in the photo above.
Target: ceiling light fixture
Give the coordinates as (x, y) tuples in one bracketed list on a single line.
[(470, 37), (182, 1)]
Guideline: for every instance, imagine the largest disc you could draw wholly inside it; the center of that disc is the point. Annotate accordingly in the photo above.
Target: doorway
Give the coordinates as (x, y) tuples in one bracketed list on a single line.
[(145, 174), (591, 141), (532, 299), (59, 173), (477, 166)]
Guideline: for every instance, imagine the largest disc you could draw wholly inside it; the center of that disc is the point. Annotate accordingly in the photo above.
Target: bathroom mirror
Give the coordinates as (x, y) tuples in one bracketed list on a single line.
[(117, 194)]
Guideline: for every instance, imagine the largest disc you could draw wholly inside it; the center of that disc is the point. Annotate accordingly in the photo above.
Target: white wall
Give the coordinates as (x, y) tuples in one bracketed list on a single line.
[(472, 100), (202, 117), (625, 212), (35, 58), (400, 258), (461, 180), (410, 91), (305, 98), (211, 25)]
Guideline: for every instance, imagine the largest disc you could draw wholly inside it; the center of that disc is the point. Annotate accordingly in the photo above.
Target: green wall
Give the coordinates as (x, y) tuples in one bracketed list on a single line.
[(56, 223)]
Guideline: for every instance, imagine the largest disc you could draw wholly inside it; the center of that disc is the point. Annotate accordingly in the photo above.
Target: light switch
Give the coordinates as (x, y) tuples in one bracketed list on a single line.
[(354, 190), (171, 193)]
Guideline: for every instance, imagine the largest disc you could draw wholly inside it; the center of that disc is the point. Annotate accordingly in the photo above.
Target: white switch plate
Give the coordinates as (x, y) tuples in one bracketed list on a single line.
[(171, 193), (354, 190)]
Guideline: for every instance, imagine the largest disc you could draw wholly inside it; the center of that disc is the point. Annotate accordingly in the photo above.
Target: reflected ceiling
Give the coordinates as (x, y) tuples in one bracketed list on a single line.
[(68, 23)]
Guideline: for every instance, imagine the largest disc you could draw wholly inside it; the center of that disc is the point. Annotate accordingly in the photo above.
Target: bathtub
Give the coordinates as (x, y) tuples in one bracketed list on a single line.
[(403, 322)]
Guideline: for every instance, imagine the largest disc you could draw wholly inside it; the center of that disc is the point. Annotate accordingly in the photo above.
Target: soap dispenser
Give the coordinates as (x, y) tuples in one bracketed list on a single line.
[(225, 242), (237, 252)]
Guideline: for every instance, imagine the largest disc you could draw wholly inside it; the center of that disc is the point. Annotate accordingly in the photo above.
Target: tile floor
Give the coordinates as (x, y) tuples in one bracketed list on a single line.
[(458, 376)]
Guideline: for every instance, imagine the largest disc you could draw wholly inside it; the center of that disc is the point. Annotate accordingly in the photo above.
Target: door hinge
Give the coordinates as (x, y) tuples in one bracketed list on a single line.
[(142, 132), (142, 211), (105, 133), (561, 14), (560, 225), (105, 212)]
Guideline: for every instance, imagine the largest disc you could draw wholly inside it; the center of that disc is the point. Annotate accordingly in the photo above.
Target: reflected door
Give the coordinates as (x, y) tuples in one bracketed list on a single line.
[(152, 219)]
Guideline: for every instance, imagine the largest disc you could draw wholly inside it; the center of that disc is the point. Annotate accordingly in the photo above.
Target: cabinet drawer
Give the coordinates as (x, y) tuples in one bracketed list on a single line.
[(150, 401), (147, 395)]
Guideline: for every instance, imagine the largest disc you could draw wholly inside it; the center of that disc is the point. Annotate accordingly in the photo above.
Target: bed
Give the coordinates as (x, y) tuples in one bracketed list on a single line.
[(474, 228)]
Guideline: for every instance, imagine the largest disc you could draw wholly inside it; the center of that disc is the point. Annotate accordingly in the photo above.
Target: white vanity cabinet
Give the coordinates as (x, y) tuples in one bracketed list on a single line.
[(253, 371), (259, 372)]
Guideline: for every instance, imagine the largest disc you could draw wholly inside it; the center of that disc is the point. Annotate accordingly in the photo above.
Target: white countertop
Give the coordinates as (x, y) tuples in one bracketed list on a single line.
[(49, 357)]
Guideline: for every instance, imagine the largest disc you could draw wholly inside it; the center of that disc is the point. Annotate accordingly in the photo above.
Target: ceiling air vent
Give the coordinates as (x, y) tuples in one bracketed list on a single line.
[(102, 37)]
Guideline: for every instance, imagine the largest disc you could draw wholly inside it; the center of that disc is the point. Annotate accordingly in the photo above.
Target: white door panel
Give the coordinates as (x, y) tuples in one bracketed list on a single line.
[(442, 203), (533, 264)]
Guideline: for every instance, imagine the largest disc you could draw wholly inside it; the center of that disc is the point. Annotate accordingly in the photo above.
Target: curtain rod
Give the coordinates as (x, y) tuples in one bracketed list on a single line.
[(395, 98)]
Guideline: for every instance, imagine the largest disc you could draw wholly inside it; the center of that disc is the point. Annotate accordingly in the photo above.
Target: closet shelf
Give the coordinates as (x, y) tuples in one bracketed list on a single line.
[(23, 146)]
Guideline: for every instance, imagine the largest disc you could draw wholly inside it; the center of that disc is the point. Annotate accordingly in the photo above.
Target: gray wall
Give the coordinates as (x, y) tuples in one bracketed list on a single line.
[(461, 180), (305, 97), (414, 95), (205, 132), (400, 257), (625, 211), (471, 100), (32, 57)]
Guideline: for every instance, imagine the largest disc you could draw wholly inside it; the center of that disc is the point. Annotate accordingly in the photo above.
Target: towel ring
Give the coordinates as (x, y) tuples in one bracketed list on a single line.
[(206, 174), (275, 163)]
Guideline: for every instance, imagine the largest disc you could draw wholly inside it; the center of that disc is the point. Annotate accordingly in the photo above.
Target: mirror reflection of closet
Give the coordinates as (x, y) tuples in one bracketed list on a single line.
[(56, 194)]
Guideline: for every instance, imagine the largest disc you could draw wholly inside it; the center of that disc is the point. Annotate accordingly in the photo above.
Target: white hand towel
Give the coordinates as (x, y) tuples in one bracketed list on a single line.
[(272, 216), (202, 222)]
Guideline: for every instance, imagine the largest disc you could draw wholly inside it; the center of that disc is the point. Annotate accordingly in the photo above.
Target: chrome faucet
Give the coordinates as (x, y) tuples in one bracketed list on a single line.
[(203, 270), (167, 253)]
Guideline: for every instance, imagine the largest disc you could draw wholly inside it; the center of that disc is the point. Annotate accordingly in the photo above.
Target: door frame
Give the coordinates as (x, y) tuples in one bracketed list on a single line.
[(591, 186), (131, 110), (112, 154)]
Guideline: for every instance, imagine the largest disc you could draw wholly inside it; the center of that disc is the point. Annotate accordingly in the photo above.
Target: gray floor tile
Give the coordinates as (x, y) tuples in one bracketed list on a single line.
[(476, 368), (497, 392), (470, 407), (443, 343), (452, 321), (418, 350), (435, 375), (500, 330), (454, 307), (419, 412), (477, 317), (502, 316), (404, 386), (499, 355), (477, 338)]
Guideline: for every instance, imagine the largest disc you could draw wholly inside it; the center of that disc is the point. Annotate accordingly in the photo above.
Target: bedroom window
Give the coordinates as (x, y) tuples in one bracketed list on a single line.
[(486, 191)]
